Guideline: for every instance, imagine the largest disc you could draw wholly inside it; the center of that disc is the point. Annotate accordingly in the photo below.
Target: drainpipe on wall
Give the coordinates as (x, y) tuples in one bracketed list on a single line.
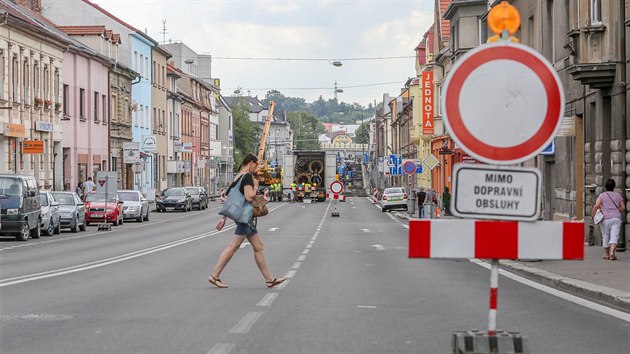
[(624, 123)]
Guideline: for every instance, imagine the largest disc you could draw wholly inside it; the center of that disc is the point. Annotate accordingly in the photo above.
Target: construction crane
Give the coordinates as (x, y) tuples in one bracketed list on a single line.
[(263, 166)]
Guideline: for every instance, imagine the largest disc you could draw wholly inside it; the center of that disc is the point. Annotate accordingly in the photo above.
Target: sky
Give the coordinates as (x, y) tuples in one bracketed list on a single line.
[(321, 31)]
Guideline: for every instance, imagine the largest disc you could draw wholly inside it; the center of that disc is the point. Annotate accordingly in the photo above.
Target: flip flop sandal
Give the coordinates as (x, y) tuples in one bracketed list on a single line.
[(275, 281), (613, 258), (606, 257), (216, 282)]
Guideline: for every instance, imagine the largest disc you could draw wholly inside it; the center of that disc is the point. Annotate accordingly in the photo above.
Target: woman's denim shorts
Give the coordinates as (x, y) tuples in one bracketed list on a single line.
[(246, 230)]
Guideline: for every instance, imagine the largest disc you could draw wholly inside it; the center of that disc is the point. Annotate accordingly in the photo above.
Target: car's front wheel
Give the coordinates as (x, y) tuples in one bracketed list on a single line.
[(50, 229), (146, 217), (58, 228), (25, 232), (83, 226), (37, 231), (75, 226)]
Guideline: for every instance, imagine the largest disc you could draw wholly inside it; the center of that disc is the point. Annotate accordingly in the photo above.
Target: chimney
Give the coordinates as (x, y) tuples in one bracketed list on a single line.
[(33, 5)]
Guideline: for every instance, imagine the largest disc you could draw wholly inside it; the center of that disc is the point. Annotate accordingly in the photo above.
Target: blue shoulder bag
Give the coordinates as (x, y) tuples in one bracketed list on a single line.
[(236, 207)]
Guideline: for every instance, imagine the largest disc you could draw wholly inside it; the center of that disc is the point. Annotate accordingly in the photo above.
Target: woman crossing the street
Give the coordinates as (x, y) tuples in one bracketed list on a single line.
[(248, 188)]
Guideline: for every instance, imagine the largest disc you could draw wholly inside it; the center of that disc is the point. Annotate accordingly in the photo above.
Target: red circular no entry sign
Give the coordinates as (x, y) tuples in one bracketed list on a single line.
[(502, 103), (336, 187)]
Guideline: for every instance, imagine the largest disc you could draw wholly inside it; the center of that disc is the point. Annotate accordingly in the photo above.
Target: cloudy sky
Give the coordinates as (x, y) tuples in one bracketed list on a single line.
[(318, 30)]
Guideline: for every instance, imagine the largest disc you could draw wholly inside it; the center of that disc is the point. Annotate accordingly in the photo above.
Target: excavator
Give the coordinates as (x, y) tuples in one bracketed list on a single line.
[(264, 173)]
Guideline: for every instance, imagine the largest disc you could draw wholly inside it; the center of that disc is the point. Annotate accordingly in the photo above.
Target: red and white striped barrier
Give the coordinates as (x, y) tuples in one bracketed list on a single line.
[(375, 196), (336, 196), (266, 194), (223, 196), (496, 239)]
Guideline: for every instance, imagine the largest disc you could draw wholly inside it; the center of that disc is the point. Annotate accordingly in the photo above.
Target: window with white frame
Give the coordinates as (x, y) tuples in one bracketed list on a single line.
[(36, 93), (96, 97), (2, 74), (14, 78), (596, 11), (25, 82), (56, 83), (104, 117), (46, 81)]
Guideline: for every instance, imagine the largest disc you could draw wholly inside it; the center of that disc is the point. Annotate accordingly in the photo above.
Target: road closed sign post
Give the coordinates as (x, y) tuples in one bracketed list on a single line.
[(502, 103)]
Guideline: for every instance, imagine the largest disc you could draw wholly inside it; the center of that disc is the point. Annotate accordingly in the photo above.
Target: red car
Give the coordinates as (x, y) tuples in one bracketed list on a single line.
[(95, 206)]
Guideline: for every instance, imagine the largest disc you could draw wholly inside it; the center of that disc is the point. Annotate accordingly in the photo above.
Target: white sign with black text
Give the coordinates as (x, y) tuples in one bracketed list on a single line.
[(495, 192)]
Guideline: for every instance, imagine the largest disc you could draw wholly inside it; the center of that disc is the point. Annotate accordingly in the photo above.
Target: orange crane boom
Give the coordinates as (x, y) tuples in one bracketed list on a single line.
[(265, 133)]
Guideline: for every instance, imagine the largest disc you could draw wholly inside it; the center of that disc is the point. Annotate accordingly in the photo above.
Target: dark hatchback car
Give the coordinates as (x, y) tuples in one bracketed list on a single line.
[(20, 207), (176, 198), (199, 197)]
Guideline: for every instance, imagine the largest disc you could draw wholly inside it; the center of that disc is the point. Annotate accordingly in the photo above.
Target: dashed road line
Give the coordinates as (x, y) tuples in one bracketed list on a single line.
[(246, 323), (221, 348), (267, 300)]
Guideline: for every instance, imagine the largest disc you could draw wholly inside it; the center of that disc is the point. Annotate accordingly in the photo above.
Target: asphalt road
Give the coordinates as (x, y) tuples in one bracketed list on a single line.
[(142, 288)]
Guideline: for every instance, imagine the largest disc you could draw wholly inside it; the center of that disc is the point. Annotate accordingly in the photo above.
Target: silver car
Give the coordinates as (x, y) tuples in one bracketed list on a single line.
[(72, 210), (394, 198), (135, 205), (51, 218)]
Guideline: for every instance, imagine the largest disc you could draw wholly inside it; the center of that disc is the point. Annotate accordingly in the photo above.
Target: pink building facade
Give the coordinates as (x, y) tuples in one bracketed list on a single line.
[(85, 121)]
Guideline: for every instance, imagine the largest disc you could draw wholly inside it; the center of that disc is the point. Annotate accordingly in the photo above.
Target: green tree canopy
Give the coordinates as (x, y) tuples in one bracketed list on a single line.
[(306, 129), (246, 134), (363, 133)]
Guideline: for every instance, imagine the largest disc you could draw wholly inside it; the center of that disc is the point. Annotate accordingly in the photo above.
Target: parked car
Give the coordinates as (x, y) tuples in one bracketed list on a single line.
[(51, 218), (100, 209), (19, 205), (176, 198), (394, 198), (72, 210), (135, 205), (199, 197)]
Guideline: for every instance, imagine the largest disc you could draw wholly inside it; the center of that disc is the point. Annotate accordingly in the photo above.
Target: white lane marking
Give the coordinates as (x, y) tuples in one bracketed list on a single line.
[(221, 348), (282, 286), (244, 244), (273, 229), (296, 265), (309, 246), (301, 258), (246, 323), (366, 307), (106, 261), (290, 274), (392, 217), (365, 230), (267, 300), (311, 242), (306, 251), (565, 296), (378, 247)]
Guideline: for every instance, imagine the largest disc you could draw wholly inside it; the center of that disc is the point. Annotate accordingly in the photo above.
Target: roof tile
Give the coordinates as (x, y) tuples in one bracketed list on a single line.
[(82, 30)]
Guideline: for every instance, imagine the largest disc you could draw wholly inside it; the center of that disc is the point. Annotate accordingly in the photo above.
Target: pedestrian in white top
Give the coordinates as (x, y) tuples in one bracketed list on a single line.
[(88, 186)]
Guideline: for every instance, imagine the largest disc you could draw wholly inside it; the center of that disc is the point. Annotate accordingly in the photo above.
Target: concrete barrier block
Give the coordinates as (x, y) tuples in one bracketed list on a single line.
[(478, 342)]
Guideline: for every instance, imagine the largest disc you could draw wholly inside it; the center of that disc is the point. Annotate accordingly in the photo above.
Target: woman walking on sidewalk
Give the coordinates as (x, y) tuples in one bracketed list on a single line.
[(612, 205), (248, 188)]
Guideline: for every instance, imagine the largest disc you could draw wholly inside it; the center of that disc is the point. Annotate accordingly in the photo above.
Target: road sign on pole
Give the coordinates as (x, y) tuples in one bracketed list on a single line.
[(494, 192), (502, 103)]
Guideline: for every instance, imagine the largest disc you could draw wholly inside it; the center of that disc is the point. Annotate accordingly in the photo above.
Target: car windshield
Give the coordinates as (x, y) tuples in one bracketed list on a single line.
[(63, 198), (193, 191), (11, 187), (128, 196), (43, 199), (393, 190), (175, 192), (93, 197)]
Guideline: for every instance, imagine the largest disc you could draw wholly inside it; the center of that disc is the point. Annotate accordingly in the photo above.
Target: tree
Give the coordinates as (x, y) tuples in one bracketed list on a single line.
[(306, 129), (245, 133), (363, 133)]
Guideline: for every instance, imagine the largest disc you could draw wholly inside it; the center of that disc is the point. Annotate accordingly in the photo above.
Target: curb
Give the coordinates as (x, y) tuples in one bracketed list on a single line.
[(612, 297)]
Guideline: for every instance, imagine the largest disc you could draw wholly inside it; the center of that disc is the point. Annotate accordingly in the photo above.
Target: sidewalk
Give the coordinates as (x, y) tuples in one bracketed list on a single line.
[(593, 278)]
